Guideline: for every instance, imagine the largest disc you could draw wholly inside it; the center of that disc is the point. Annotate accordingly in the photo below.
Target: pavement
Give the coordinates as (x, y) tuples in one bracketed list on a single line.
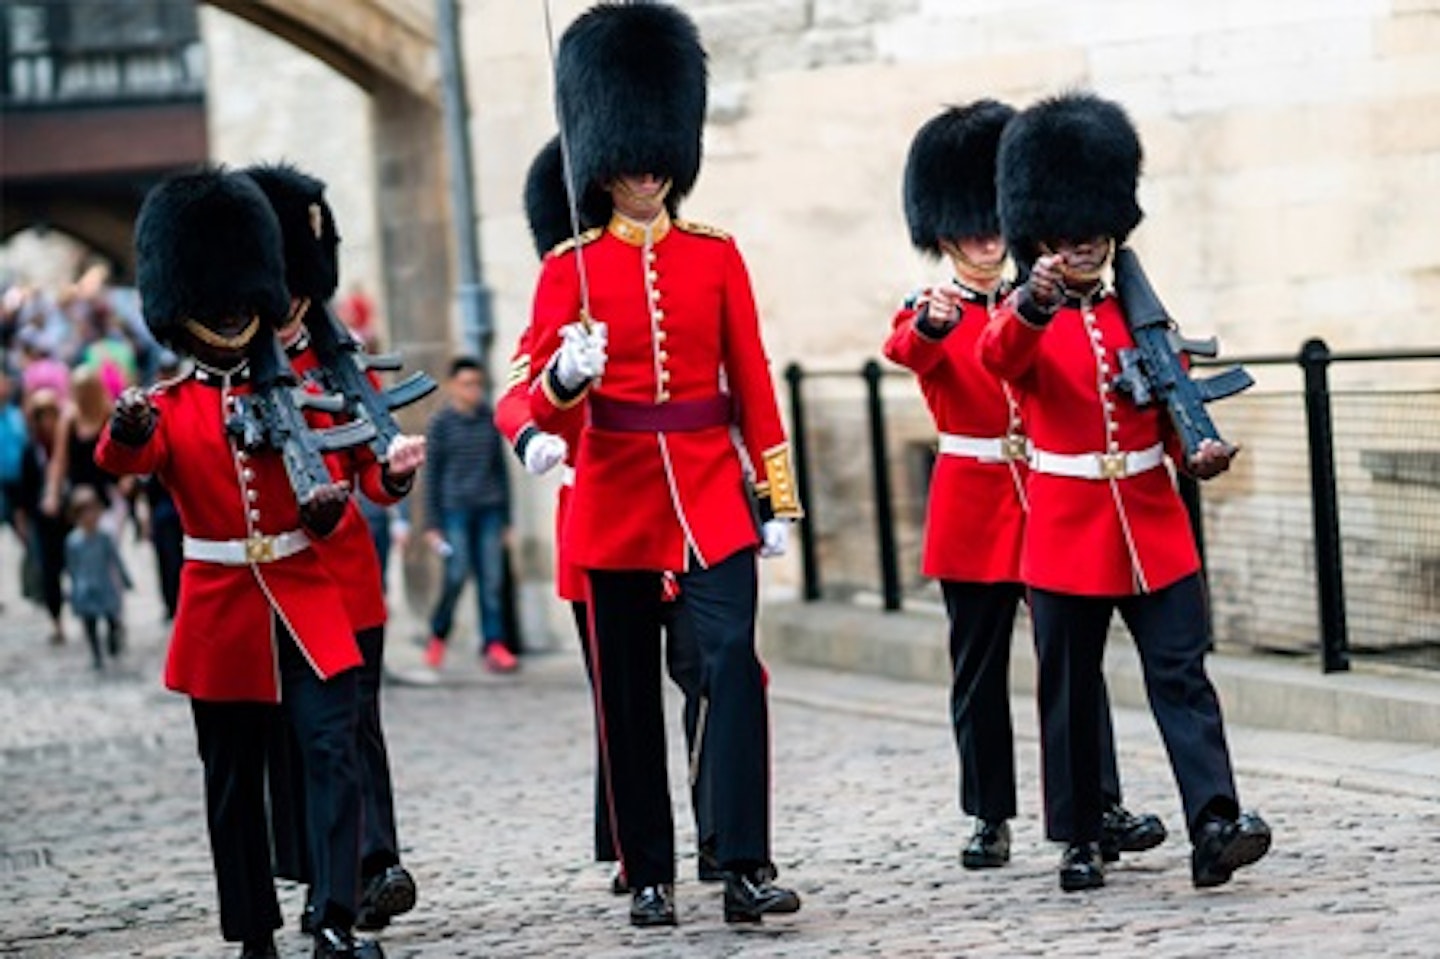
[(103, 850)]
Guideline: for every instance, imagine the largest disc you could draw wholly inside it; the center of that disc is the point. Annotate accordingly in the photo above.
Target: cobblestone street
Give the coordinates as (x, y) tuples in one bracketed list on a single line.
[(103, 850)]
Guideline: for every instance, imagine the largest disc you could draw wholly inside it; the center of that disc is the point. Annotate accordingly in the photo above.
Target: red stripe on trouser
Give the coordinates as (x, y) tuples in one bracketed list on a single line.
[(595, 689)]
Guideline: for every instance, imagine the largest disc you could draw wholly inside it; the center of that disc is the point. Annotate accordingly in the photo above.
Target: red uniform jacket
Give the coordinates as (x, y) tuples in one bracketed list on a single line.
[(975, 516), (223, 646), (1089, 537), (349, 552), (513, 420), (682, 327)]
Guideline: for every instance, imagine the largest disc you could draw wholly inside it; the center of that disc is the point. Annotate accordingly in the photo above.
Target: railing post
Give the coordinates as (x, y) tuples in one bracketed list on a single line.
[(884, 510), (1314, 359), (800, 449)]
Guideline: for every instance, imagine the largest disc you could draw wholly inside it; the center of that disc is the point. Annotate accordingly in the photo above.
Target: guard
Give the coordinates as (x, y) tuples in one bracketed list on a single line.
[(312, 272), (548, 214), (975, 517), (1107, 529), (260, 621), (663, 309)]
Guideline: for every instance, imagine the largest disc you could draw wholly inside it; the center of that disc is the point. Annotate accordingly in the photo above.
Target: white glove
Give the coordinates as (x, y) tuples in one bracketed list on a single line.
[(581, 356), (544, 452), (774, 538)]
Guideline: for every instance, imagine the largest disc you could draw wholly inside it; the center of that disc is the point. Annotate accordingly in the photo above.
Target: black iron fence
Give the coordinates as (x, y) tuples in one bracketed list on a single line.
[(1324, 538)]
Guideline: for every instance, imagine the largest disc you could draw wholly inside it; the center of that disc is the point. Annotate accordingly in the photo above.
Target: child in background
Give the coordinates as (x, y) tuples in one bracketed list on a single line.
[(97, 574)]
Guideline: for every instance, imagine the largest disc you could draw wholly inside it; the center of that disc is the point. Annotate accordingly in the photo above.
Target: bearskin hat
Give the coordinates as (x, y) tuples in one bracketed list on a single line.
[(950, 175), (630, 81), (547, 207), (307, 227), (207, 247), (1068, 169)]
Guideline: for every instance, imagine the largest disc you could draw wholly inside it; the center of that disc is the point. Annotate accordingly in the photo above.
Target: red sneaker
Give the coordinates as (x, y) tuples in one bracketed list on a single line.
[(498, 659), (435, 652)]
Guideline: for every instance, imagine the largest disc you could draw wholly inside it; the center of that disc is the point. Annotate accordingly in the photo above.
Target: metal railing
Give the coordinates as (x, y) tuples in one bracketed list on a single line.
[(1327, 546)]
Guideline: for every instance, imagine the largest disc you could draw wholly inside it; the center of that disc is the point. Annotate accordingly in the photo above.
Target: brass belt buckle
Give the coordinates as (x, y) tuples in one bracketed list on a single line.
[(260, 549), (1112, 466), (1015, 446)]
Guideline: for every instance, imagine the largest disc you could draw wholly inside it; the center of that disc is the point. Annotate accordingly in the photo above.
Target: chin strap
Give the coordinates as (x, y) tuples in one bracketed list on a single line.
[(218, 341)]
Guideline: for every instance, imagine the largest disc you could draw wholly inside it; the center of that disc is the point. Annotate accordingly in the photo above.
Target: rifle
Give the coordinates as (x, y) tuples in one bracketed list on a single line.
[(272, 417), (342, 370), (1152, 371)]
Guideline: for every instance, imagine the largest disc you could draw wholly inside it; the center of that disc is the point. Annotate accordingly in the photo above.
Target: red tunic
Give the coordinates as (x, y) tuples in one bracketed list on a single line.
[(223, 645), (975, 516), (682, 327), (1089, 537), (349, 552), (513, 419)]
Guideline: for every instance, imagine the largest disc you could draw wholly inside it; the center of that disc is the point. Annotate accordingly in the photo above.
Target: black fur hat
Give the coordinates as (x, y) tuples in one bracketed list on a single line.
[(547, 208), (950, 175), (307, 227), (1068, 169), (207, 247), (630, 82)]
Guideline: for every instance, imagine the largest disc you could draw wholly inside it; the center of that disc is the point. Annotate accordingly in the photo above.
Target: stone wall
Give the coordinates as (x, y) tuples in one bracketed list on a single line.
[(1292, 147), (268, 101)]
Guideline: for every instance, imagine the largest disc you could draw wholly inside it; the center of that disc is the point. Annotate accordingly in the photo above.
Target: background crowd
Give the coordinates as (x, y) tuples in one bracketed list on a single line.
[(66, 353)]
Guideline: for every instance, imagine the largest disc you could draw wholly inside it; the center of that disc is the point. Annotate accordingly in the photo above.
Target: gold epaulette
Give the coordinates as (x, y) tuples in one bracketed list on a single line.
[(565, 246), (701, 229)]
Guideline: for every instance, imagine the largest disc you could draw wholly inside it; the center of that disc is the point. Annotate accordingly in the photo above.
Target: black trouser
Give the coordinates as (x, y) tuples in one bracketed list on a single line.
[(682, 661), (232, 738), (380, 847), (717, 607), (168, 540), (1169, 627), (982, 625)]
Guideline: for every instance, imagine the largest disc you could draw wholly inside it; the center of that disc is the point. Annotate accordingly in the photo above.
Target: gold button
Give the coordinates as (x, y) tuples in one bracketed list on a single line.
[(660, 336), (254, 516), (242, 456), (664, 376), (655, 295), (252, 495), (662, 356), (662, 396), (652, 275), (247, 474), (658, 313)]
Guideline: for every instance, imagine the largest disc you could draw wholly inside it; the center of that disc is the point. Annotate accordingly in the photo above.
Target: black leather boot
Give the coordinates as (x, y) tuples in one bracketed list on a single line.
[(752, 893), (989, 847), (1124, 831), (1081, 867), (653, 906), (1223, 846)]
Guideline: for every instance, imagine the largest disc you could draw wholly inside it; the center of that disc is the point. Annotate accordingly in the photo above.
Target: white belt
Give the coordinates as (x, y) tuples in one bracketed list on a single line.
[(986, 449), (1095, 466), (243, 552), (567, 476)]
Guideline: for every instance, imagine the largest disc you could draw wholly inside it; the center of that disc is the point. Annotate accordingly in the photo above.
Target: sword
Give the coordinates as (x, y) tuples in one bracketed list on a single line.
[(568, 174)]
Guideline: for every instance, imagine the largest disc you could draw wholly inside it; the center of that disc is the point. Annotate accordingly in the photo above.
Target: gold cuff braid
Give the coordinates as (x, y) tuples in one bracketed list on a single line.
[(780, 481)]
